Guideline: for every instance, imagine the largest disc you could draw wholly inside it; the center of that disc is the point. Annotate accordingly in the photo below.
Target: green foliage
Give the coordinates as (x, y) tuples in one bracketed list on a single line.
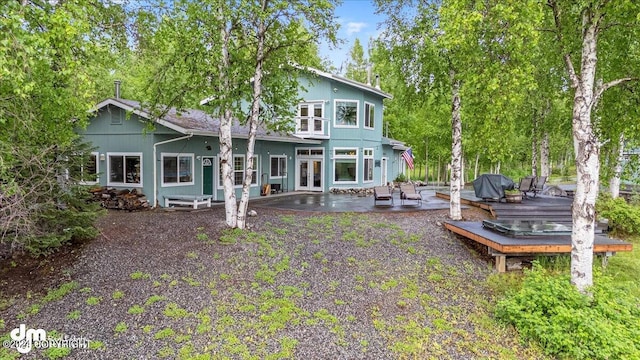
[(50, 55), (568, 324), (60, 292), (623, 217), (400, 178)]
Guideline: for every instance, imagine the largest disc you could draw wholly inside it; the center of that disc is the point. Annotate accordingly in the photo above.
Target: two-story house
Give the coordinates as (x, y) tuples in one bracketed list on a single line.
[(338, 143)]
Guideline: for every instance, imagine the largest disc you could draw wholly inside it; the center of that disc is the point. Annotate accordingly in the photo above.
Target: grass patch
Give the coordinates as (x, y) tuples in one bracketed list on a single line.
[(60, 292), (139, 275)]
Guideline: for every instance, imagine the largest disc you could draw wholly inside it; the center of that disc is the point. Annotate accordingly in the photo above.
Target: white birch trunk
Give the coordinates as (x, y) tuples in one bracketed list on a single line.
[(253, 127), (455, 211), (475, 171), (226, 143), (614, 181), (545, 167), (426, 162), (534, 146), (226, 167), (587, 152)]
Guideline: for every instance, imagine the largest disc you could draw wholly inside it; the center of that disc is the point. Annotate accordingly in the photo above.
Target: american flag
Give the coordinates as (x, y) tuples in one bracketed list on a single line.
[(408, 157)]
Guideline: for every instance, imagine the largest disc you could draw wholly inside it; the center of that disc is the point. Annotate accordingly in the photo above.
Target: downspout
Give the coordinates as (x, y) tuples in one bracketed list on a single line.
[(155, 170)]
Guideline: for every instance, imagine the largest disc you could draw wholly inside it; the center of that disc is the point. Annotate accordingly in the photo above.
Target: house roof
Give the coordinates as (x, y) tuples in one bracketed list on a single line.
[(337, 78), (198, 122), (395, 144), (344, 80)]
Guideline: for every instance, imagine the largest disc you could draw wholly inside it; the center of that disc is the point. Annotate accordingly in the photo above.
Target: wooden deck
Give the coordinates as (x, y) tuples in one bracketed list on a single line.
[(556, 209), (539, 208)]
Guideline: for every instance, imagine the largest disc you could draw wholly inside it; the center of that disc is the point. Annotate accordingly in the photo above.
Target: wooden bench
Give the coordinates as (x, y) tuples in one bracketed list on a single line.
[(190, 200)]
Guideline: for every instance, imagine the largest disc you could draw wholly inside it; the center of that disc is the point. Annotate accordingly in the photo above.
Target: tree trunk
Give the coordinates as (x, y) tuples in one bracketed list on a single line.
[(226, 163), (614, 181), (456, 149), (534, 146), (226, 143), (587, 152), (253, 124), (475, 171), (462, 172), (545, 167), (426, 162), (439, 170)]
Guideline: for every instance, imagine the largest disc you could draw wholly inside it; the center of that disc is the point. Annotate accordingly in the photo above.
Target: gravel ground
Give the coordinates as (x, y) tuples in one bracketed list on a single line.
[(297, 285)]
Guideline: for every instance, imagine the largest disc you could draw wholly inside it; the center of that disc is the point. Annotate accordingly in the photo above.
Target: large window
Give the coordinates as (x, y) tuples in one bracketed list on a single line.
[(345, 165), (125, 169), (177, 169), (346, 113), (367, 165), (238, 171), (369, 115), (278, 166)]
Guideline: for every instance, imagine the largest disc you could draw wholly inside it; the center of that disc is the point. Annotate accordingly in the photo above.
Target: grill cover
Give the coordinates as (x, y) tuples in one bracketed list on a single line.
[(492, 186)]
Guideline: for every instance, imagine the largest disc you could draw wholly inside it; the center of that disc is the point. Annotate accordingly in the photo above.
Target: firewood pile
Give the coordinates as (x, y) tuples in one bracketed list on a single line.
[(120, 199)]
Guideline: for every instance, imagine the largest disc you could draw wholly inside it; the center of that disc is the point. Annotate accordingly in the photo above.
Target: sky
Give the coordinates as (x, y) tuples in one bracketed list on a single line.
[(357, 19)]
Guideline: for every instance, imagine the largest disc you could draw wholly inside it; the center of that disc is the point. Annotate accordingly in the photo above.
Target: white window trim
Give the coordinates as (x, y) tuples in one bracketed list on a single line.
[(271, 157), (244, 171), (365, 114), (124, 184), (350, 157), (335, 115), (82, 182), (178, 156), (364, 158)]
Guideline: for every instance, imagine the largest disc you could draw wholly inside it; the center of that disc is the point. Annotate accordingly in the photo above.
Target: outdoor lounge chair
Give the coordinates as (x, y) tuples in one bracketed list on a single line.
[(408, 192), (382, 193), (538, 185), (526, 185)]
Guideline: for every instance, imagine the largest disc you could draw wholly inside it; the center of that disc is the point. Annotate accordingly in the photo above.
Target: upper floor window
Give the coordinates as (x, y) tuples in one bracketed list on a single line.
[(125, 169), (369, 115), (177, 169), (346, 113)]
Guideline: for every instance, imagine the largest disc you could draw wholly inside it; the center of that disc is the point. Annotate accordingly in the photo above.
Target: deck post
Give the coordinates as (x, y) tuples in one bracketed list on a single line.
[(501, 260), (605, 258)]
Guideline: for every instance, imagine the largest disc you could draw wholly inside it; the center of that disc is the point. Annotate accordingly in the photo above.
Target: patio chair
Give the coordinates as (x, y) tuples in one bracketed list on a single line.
[(382, 193), (538, 185), (408, 192), (526, 185)]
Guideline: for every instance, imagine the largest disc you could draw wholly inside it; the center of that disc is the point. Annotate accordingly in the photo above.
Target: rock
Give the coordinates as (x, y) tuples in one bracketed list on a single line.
[(252, 213), (554, 190)]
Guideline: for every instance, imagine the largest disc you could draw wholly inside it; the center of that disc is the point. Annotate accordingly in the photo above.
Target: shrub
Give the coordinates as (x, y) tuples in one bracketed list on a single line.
[(549, 310), (622, 216), (401, 178)]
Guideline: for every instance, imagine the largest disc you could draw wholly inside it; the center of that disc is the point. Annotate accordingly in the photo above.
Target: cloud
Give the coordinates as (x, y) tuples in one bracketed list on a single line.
[(355, 27)]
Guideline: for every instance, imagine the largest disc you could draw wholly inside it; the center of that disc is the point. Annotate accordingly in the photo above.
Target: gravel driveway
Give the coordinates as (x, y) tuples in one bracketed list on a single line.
[(297, 285)]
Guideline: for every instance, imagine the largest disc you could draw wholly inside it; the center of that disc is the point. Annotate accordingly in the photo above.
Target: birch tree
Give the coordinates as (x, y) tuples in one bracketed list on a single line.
[(454, 46), (579, 28), (236, 53)]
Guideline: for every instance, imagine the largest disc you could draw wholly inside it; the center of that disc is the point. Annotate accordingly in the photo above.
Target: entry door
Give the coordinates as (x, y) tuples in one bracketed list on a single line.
[(208, 175), (309, 175), (383, 171)]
